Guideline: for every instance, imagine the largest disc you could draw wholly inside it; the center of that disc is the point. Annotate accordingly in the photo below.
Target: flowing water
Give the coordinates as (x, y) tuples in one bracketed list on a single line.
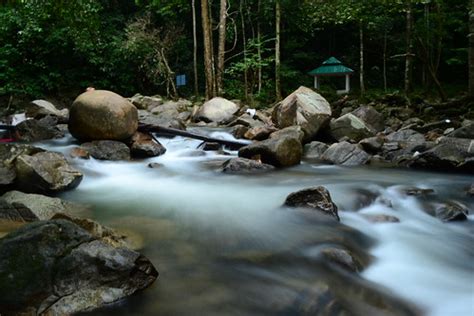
[(224, 245)]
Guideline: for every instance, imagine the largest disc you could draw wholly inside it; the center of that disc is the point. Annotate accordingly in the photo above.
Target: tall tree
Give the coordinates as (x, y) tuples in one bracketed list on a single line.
[(196, 85), (208, 56), (221, 46), (471, 47), (277, 50), (409, 47), (361, 57)]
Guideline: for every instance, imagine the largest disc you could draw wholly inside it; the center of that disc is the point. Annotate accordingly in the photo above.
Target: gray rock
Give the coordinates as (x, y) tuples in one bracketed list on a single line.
[(101, 114), (345, 154), (381, 218), (314, 150), (343, 258), (43, 207), (7, 177), (58, 268), (317, 198), (372, 145), (239, 131), (247, 121), (146, 118), (371, 117), (145, 102), (9, 152), (218, 110), (290, 131), (36, 130), (107, 150), (143, 145), (12, 212), (406, 136), (260, 133), (45, 172), (451, 211), (350, 126), (41, 108), (304, 108), (279, 152), (245, 166)]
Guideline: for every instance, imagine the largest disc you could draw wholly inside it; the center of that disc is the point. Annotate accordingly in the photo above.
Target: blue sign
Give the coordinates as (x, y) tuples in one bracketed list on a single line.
[(180, 80)]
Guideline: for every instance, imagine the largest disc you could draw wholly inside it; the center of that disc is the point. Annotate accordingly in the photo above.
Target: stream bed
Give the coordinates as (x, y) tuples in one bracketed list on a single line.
[(224, 245)]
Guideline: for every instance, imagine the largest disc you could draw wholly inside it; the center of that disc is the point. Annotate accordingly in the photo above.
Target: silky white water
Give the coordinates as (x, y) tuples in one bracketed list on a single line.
[(190, 216)]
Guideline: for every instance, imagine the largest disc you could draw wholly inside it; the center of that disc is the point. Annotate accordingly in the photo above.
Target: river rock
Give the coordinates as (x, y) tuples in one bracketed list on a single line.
[(451, 211), (279, 152), (317, 198), (36, 130), (371, 117), (7, 177), (304, 108), (78, 152), (43, 207), (350, 126), (9, 152), (239, 131), (45, 172), (146, 102), (143, 145), (58, 268), (450, 153), (101, 114), (146, 118), (314, 150), (217, 110), (372, 145), (346, 154), (107, 150), (246, 120), (259, 133), (17, 213), (245, 166), (381, 218), (290, 131), (40, 108), (466, 131), (343, 258)]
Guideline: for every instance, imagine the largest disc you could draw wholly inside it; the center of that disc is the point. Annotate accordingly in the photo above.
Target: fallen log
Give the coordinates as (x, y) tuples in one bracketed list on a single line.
[(171, 132)]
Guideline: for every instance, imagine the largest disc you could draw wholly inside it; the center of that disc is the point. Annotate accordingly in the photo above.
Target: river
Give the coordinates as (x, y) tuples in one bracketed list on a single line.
[(224, 245)]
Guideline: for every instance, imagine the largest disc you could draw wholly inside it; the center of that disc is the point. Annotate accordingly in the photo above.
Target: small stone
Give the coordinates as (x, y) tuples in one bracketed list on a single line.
[(317, 198), (79, 152), (380, 218)]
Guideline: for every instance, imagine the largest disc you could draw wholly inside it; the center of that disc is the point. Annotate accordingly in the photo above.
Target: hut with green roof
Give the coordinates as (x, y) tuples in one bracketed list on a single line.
[(332, 68)]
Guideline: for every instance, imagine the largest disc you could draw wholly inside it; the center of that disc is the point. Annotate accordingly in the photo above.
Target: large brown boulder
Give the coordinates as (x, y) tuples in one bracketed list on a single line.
[(305, 108), (101, 114), (218, 110)]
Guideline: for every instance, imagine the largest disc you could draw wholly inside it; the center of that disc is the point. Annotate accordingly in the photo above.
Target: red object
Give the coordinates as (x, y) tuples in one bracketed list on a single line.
[(6, 140)]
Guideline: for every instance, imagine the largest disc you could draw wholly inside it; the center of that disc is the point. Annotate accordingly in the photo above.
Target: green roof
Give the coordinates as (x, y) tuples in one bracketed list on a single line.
[(332, 66)]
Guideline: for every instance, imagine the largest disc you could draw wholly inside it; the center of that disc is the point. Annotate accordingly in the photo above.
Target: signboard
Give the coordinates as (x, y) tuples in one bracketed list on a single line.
[(180, 80)]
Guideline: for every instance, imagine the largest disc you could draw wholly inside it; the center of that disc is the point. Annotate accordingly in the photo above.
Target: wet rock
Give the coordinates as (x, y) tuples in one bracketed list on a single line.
[(100, 115), (15, 213), (342, 258), (314, 150), (466, 131), (279, 152), (245, 166), (418, 191), (350, 126), (155, 165), (406, 135), (78, 152), (304, 108), (380, 218), (107, 150), (470, 190), (143, 145), (45, 172), (317, 198), (7, 177), (259, 133), (345, 154), (58, 268), (40, 108), (218, 110), (239, 131), (450, 153), (291, 131), (372, 145), (36, 130), (246, 120), (371, 117), (43, 207), (452, 211), (210, 146), (146, 118)]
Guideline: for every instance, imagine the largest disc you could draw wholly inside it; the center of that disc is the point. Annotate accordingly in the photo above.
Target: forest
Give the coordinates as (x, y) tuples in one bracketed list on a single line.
[(253, 50)]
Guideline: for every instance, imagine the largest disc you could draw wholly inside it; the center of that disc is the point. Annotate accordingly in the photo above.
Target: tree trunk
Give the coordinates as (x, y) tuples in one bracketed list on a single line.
[(221, 47), (259, 51), (277, 50), (385, 61), (196, 89), (244, 45), (208, 67), (409, 49), (471, 48), (361, 73)]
